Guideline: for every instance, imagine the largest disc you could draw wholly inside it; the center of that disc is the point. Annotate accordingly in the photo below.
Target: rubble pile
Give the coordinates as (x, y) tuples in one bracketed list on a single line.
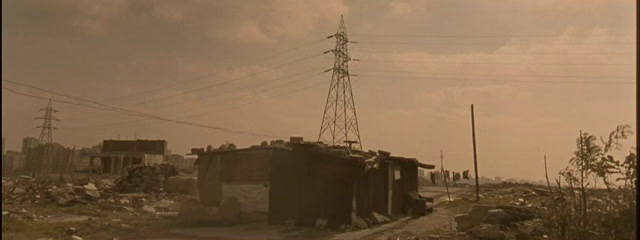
[(147, 179), (26, 190), (500, 222), (516, 213)]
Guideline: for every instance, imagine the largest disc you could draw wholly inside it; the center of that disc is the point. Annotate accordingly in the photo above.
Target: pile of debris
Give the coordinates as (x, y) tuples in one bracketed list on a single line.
[(501, 222), (26, 190), (147, 179)]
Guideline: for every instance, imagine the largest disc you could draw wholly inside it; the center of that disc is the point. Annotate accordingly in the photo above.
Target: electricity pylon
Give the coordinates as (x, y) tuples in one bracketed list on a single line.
[(46, 132), (339, 122)]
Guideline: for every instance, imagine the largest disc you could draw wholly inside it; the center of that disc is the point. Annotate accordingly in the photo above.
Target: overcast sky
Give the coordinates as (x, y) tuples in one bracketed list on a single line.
[(537, 72)]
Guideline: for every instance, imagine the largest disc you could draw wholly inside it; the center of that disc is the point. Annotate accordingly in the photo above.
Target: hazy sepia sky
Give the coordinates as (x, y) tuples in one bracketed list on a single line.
[(517, 61)]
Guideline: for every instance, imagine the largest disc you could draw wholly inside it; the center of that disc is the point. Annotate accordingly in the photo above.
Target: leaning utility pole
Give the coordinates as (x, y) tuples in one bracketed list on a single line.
[(475, 159), (339, 121)]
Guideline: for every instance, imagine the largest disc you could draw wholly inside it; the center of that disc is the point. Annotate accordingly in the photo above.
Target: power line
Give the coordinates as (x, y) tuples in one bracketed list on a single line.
[(251, 93), (230, 68), (211, 110), (497, 75), (118, 109), (489, 36), (542, 54), (256, 85), (492, 44), (502, 63), (496, 80), (225, 82), (242, 65), (149, 116), (294, 91)]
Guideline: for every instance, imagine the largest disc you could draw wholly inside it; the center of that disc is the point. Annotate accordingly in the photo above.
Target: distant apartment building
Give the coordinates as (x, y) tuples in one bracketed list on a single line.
[(117, 155), (12, 163), (29, 143), (51, 158)]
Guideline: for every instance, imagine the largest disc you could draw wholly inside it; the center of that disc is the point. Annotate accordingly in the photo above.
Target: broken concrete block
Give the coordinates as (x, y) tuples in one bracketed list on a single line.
[(474, 218), (91, 190), (18, 190), (499, 216), (149, 209)]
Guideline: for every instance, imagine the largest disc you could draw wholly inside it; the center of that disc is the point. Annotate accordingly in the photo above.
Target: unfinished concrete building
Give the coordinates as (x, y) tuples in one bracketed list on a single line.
[(117, 155)]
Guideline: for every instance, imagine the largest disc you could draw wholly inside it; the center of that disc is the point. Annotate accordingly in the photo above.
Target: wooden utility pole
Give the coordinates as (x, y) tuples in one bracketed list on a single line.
[(446, 185), (547, 175), (475, 158)]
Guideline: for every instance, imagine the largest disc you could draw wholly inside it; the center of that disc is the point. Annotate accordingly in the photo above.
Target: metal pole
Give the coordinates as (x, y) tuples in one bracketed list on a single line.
[(475, 159), (446, 184)]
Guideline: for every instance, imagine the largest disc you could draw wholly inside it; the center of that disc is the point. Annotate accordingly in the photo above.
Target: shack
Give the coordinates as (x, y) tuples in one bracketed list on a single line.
[(306, 183)]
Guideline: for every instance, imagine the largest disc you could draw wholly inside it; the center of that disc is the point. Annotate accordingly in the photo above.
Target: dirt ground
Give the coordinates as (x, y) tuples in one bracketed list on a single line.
[(90, 222)]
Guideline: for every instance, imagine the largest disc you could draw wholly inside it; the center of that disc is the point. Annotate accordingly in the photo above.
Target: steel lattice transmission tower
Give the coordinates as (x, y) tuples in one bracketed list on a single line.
[(46, 132), (339, 121)]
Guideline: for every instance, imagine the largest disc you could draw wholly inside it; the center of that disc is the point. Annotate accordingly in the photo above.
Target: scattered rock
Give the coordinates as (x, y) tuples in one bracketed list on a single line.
[(76, 238), (71, 231), (149, 209), (19, 190), (91, 190)]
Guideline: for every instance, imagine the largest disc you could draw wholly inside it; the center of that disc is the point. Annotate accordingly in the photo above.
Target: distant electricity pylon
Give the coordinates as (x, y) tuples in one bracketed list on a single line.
[(46, 132), (339, 121)]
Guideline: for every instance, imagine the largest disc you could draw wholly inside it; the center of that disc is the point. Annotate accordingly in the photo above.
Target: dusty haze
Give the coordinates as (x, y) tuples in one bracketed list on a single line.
[(127, 52)]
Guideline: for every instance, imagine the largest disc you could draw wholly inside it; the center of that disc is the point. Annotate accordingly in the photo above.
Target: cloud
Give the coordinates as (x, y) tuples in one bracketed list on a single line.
[(400, 8), (95, 17), (262, 22)]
